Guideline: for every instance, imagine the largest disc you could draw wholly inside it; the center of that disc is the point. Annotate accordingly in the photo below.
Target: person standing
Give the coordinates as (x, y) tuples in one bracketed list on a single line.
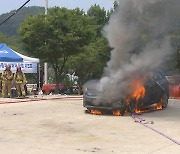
[(20, 81), (7, 77)]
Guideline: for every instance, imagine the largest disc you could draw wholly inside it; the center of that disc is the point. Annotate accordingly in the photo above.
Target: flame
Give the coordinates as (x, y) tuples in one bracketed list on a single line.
[(138, 111), (95, 111), (138, 93), (159, 105), (139, 90), (143, 110), (117, 113)]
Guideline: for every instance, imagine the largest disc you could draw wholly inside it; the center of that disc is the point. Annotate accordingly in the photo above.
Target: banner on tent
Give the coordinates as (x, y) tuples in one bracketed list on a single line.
[(26, 67)]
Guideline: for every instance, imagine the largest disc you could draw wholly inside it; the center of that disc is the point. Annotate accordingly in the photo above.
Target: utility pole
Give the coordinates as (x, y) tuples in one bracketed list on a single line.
[(46, 7), (45, 64)]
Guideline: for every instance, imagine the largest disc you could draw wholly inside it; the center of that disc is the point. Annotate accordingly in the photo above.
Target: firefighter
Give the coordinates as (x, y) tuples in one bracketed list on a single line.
[(20, 81), (6, 77)]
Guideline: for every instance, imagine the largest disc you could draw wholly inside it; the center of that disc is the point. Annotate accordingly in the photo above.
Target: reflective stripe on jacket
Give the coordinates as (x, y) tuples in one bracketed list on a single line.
[(6, 76), (19, 77)]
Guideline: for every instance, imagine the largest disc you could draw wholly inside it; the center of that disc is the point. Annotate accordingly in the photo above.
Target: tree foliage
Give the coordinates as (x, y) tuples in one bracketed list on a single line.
[(55, 37), (73, 41), (10, 27), (90, 63), (10, 41)]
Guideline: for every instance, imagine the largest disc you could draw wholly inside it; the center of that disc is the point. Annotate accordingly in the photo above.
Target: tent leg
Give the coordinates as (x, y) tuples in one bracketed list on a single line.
[(45, 73), (39, 77)]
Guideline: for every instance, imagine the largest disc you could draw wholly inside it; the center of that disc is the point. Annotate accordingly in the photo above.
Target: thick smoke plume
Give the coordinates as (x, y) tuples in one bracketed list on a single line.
[(139, 37)]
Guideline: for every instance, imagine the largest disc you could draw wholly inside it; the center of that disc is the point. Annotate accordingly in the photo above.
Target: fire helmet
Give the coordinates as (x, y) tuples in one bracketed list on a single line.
[(18, 68), (8, 67)]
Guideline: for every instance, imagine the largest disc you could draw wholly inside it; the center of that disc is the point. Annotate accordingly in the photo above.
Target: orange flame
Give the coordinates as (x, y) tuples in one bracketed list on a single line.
[(117, 113), (137, 93), (139, 90), (96, 112), (159, 105), (138, 111)]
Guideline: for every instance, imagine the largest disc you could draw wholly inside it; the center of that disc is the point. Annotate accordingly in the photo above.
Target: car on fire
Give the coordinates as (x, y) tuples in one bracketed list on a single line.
[(156, 93)]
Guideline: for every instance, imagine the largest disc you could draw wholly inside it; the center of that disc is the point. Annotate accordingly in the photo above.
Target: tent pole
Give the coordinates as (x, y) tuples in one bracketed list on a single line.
[(45, 73), (39, 77), (46, 7)]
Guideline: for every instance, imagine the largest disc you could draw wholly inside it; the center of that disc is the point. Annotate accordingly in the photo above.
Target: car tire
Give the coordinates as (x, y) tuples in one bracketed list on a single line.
[(123, 107), (122, 110), (88, 110), (164, 101)]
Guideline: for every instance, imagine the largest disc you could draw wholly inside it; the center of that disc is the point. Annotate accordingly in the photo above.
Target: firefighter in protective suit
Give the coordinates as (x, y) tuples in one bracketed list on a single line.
[(20, 81), (6, 77)]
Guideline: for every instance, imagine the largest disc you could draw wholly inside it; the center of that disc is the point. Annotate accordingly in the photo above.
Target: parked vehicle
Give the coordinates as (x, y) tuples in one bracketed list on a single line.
[(156, 90), (174, 86), (50, 88), (31, 88)]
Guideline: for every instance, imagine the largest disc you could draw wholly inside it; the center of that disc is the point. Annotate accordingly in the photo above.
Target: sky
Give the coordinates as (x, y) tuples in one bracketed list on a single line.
[(8, 5)]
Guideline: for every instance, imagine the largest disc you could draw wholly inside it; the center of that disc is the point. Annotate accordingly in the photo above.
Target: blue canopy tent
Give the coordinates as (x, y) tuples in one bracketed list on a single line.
[(13, 58), (8, 55)]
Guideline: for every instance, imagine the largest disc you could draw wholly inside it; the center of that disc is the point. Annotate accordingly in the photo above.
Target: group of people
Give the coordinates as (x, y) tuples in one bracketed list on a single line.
[(18, 78)]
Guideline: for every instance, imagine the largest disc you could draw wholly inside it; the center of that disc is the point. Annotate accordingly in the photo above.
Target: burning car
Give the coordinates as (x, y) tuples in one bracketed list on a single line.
[(154, 91)]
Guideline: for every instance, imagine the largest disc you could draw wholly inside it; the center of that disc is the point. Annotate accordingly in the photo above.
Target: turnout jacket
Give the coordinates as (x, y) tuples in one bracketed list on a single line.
[(6, 76), (19, 77)]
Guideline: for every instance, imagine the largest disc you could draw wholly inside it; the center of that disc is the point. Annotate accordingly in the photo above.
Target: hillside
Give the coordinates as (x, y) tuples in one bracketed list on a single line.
[(10, 27)]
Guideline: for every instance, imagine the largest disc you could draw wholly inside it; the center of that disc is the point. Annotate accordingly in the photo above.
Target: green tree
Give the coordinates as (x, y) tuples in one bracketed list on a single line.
[(175, 58), (57, 36), (113, 10), (10, 41), (3, 38), (99, 17), (89, 64), (10, 27)]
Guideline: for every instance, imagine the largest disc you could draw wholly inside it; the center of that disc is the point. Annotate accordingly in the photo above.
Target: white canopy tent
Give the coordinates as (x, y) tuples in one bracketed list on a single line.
[(14, 59), (27, 59), (28, 64)]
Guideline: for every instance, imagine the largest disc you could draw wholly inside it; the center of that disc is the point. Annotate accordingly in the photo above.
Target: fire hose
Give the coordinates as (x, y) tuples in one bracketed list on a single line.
[(39, 99), (144, 123)]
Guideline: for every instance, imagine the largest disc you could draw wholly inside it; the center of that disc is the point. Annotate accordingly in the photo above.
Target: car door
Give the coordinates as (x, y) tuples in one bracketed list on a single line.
[(150, 95), (158, 86)]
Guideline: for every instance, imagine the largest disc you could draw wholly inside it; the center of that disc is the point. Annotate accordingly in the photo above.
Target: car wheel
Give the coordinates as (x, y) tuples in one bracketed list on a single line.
[(119, 107), (122, 110), (123, 107), (164, 101)]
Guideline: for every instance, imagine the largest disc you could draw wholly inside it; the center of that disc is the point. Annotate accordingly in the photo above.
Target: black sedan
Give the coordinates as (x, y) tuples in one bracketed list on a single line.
[(156, 90)]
